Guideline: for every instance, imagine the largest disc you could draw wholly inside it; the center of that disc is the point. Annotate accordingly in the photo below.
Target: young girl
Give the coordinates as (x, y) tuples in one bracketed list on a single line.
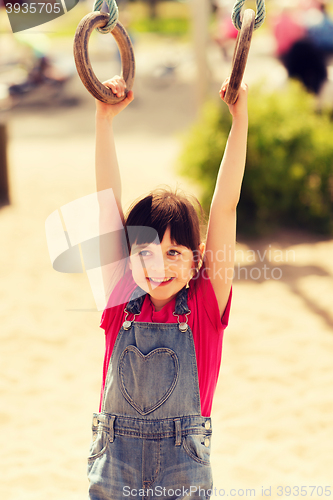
[(164, 326)]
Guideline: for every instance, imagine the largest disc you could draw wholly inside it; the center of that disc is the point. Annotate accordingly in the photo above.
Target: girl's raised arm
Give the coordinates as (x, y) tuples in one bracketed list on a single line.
[(107, 169), (111, 218), (221, 235)]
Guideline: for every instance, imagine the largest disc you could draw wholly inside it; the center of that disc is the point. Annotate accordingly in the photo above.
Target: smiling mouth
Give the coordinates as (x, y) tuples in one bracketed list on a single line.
[(160, 281)]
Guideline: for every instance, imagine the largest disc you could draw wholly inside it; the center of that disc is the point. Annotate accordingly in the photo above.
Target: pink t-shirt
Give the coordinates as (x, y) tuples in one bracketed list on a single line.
[(204, 320)]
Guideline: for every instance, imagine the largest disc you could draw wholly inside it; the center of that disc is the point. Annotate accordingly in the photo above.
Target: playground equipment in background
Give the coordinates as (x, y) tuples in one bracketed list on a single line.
[(31, 74)]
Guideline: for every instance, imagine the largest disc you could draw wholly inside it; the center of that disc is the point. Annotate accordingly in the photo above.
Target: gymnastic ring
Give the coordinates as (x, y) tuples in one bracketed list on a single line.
[(82, 61), (239, 59)]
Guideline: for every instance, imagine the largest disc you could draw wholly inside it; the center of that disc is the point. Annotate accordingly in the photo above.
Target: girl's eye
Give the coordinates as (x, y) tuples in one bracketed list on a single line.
[(173, 253), (144, 253)]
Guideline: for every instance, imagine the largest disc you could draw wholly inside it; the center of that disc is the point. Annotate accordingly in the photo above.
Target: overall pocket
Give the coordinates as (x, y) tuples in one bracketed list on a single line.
[(138, 382), (197, 447), (99, 441)]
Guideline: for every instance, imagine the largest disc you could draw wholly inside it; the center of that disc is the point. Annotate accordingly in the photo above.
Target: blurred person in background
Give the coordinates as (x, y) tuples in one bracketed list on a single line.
[(287, 29), (304, 36), (225, 31), (320, 28)]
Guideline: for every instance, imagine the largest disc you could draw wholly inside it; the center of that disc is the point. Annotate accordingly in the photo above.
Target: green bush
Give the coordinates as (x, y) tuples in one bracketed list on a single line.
[(289, 170), (172, 26), (172, 18)]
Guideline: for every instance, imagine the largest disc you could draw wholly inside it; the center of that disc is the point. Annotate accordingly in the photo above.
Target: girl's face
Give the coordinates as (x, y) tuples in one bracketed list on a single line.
[(161, 270)]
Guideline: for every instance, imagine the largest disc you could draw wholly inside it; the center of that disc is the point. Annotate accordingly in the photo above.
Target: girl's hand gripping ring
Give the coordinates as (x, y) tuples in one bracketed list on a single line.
[(82, 61)]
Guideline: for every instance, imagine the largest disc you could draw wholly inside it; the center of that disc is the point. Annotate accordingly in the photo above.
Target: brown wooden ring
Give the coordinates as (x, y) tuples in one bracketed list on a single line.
[(82, 61), (239, 59)]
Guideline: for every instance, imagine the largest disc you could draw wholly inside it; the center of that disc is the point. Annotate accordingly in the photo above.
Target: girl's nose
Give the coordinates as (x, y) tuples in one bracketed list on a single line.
[(158, 268), (159, 265)]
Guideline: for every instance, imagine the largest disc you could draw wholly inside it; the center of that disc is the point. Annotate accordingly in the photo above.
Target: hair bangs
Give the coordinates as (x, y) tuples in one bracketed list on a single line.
[(151, 216)]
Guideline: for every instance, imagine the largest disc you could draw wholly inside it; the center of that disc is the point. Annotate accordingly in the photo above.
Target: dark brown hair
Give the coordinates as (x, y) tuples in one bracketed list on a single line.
[(161, 209)]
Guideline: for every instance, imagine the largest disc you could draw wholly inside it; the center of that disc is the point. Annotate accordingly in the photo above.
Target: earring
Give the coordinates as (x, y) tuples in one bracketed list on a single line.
[(193, 273)]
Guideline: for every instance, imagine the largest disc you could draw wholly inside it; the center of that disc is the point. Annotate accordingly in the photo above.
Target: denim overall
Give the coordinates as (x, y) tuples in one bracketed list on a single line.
[(150, 440)]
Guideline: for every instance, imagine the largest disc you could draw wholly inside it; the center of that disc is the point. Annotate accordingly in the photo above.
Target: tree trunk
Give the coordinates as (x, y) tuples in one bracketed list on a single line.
[(152, 8), (4, 189), (200, 29)]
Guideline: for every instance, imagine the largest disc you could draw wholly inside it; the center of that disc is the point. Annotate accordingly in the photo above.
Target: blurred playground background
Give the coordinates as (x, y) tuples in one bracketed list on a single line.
[(273, 407)]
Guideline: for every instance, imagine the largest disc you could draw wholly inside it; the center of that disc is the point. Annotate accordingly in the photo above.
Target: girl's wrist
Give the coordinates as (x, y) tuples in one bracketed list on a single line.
[(103, 117), (240, 117)]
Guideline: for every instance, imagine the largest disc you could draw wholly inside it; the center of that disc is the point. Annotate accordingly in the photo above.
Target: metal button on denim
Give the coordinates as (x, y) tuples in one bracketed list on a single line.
[(207, 424), (206, 442)]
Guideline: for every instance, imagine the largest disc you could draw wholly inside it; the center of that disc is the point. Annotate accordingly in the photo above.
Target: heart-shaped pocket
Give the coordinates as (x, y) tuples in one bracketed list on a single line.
[(146, 381)]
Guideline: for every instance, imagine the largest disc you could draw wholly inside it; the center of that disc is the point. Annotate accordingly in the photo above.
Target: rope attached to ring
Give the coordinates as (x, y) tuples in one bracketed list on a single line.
[(259, 19), (113, 10)]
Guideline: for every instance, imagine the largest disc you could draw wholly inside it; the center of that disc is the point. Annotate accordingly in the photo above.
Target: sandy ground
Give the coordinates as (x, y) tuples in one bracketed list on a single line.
[(273, 407)]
